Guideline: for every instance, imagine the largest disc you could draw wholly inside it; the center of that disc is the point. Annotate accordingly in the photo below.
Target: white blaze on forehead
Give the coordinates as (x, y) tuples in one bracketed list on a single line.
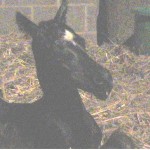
[(68, 36)]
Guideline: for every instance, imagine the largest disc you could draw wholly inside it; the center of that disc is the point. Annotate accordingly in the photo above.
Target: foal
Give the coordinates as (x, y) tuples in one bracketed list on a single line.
[(59, 119), (62, 67)]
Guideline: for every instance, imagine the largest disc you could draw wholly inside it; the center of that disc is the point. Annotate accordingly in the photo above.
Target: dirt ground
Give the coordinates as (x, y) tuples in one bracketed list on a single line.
[(128, 106)]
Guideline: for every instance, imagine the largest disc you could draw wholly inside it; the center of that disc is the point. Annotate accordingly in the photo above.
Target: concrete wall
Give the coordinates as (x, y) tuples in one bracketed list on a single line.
[(81, 14)]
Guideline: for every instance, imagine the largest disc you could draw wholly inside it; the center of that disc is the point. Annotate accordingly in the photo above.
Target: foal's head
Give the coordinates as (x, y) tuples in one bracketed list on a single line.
[(68, 49)]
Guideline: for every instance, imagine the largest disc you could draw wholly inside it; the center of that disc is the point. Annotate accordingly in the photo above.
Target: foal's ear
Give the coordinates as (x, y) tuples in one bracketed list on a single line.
[(26, 25), (60, 17)]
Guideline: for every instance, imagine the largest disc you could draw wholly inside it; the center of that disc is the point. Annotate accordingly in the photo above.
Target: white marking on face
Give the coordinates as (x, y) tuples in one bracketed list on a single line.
[(68, 36)]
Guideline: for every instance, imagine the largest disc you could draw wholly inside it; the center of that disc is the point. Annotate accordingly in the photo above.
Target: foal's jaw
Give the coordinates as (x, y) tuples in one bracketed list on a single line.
[(86, 73)]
